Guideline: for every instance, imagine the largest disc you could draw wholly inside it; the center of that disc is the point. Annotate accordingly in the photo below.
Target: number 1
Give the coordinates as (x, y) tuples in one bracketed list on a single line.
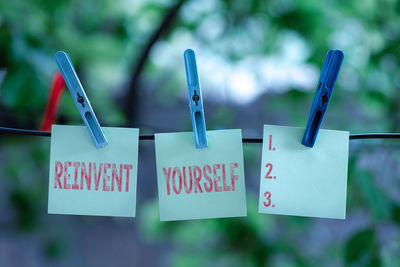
[(270, 143)]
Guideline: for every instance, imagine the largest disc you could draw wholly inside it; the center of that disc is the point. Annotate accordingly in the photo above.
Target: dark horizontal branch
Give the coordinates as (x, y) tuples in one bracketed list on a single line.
[(6, 130)]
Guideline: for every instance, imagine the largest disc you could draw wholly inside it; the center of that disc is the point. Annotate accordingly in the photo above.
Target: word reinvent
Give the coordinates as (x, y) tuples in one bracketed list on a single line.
[(85, 180), (83, 172)]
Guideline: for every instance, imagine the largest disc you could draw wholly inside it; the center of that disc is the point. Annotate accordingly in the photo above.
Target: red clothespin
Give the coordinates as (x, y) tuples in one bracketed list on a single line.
[(50, 114)]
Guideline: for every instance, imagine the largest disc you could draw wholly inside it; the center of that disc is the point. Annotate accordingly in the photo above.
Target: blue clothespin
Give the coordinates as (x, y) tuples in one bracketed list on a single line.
[(195, 100), (81, 101), (327, 80)]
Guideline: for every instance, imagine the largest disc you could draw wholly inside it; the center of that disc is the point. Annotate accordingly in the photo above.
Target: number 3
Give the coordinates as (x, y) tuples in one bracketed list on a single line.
[(267, 196)]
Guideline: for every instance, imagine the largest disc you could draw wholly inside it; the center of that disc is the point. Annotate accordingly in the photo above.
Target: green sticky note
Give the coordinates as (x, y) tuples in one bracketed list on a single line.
[(200, 183), (302, 181), (85, 180)]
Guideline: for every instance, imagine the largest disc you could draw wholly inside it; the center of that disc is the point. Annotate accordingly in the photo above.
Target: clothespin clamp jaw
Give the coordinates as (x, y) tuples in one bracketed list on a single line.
[(81, 101), (195, 100), (326, 84)]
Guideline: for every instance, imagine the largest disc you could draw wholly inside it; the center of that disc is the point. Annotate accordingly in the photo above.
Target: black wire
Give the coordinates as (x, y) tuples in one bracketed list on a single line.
[(24, 131), (375, 136), (7, 130)]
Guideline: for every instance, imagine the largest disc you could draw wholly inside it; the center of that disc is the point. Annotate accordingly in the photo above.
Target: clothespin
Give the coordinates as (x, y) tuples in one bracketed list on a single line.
[(195, 100), (53, 102), (80, 99), (327, 80)]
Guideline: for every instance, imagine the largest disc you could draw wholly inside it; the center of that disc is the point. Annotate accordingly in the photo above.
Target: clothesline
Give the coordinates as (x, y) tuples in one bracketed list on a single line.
[(245, 140)]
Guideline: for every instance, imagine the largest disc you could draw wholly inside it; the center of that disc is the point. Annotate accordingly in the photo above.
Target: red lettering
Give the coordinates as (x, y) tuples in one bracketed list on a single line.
[(206, 169), (197, 178), (106, 178), (127, 167), (174, 172), (226, 188), (216, 177), (187, 190), (76, 165), (268, 176), (85, 175), (58, 173), (66, 174), (98, 176), (167, 178), (267, 196), (233, 176), (115, 177)]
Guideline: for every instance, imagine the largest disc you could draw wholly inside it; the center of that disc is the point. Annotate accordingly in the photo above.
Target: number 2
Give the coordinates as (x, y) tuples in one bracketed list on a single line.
[(267, 176)]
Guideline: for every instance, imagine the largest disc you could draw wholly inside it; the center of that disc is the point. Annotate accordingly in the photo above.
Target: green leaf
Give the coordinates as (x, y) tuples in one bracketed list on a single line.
[(361, 249), (376, 199), (396, 214), (55, 247)]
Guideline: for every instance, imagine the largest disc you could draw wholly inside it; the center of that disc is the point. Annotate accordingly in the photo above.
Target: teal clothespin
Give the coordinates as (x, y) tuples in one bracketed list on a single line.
[(327, 80), (81, 101), (195, 100)]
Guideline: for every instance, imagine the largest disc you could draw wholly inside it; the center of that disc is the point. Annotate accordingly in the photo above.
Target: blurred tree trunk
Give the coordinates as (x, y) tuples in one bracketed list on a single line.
[(131, 96)]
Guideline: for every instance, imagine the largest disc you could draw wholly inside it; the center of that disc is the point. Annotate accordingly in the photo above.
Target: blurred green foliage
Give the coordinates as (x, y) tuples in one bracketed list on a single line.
[(105, 39)]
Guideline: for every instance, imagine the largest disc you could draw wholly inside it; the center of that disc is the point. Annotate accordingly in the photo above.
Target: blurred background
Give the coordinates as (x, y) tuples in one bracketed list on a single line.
[(259, 62)]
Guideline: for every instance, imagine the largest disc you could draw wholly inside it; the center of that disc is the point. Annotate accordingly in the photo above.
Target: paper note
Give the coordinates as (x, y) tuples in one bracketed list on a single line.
[(200, 183), (303, 181), (85, 180)]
